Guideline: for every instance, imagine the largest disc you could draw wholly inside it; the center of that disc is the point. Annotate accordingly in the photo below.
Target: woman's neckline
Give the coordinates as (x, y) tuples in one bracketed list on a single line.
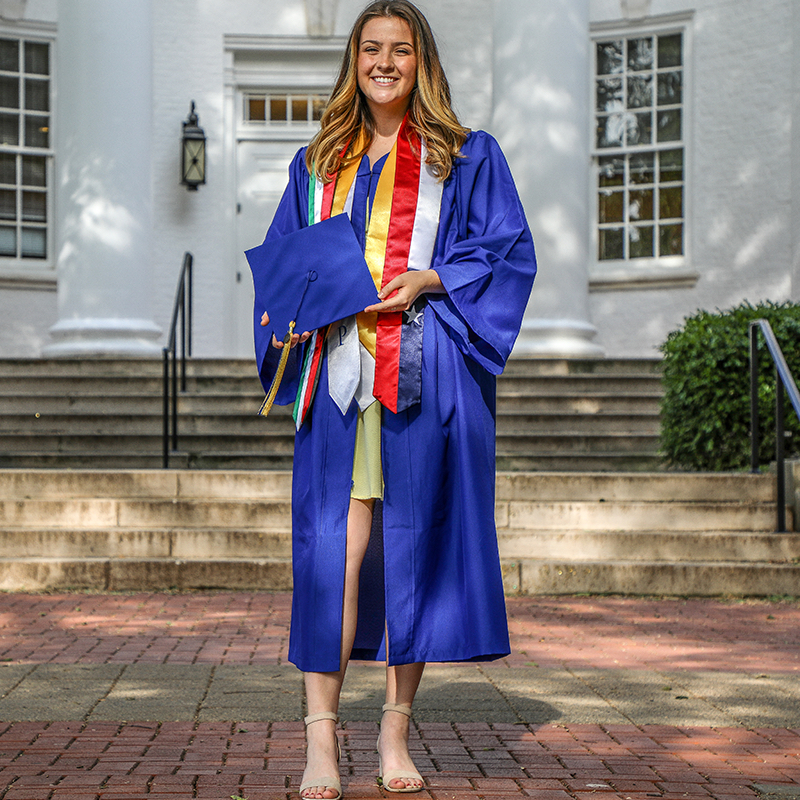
[(378, 164)]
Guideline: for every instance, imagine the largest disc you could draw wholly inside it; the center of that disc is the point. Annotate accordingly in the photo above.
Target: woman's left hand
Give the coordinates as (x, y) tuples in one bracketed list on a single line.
[(401, 292), (297, 338)]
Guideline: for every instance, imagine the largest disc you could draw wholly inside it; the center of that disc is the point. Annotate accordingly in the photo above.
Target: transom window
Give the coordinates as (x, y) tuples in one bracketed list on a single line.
[(24, 148), (639, 121), (284, 108)]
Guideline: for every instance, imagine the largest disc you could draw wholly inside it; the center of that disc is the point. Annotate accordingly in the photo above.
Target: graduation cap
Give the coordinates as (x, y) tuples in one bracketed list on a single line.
[(305, 280)]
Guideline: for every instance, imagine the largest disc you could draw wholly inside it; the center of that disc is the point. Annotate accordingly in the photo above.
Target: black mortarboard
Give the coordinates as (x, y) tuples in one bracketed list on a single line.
[(311, 277)]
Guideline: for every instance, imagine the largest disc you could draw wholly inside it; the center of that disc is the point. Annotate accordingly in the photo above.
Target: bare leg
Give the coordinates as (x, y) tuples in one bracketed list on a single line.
[(323, 688), (401, 687)]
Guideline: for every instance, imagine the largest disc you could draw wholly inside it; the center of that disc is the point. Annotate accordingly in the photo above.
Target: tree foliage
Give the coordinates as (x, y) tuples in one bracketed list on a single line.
[(705, 412)]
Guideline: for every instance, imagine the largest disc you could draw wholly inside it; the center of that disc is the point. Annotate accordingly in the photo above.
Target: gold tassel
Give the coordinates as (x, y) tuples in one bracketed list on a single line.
[(276, 381)]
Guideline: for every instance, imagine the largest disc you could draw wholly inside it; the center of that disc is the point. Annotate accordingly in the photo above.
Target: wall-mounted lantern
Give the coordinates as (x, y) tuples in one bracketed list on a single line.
[(193, 152)]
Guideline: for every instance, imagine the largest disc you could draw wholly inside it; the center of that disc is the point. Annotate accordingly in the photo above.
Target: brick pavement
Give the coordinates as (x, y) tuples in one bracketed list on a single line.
[(253, 628), (261, 761), (89, 760)]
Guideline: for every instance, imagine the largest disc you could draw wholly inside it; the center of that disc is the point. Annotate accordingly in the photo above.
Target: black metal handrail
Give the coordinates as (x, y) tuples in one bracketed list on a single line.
[(183, 309), (783, 380)]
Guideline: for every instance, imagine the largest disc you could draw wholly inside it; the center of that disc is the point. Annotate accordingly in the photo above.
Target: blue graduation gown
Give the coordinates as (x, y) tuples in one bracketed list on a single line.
[(431, 577)]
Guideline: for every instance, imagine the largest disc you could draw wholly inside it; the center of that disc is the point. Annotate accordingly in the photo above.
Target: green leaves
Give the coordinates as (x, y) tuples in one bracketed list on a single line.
[(705, 412)]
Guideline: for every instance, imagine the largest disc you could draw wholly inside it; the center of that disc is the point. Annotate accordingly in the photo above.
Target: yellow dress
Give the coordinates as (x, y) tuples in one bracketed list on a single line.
[(367, 471)]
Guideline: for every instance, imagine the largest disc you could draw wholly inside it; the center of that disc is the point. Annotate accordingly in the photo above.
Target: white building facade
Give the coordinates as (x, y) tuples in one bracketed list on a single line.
[(655, 145)]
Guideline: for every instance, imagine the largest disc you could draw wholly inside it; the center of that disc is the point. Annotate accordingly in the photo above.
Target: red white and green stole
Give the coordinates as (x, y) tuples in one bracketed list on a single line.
[(324, 201), (400, 236)]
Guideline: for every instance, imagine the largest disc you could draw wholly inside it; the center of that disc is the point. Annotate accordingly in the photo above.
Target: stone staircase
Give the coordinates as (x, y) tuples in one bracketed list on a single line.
[(634, 533), (666, 533), (106, 414), (83, 504), (556, 415), (144, 529)]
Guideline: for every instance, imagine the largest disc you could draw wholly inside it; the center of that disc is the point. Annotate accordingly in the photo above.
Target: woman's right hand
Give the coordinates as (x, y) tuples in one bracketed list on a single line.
[(297, 338)]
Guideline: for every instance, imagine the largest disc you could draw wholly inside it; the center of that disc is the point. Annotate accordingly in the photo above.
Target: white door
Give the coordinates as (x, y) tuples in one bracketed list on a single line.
[(261, 177)]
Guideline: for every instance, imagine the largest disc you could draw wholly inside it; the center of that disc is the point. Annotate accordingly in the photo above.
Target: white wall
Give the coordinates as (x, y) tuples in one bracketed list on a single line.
[(26, 316), (739, 187), (190, 65), (795, 100), (744, 147)]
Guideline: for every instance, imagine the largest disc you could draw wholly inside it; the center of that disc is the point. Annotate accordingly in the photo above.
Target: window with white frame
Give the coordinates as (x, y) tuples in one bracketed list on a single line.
[(25, 148), (639, 146), (283, 108)]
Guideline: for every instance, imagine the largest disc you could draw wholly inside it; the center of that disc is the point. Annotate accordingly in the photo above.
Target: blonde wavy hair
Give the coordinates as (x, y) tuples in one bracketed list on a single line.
[(430, 114)]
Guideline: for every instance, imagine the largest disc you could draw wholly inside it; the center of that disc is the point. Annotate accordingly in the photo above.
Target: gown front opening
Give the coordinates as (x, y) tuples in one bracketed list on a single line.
[(431, 586)]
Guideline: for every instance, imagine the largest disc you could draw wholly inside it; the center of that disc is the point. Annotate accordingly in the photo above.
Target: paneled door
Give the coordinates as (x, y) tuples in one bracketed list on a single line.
[(262, 175)]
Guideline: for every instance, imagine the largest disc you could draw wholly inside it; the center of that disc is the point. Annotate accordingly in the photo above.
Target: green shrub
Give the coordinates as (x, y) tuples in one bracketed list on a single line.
[(705, 412)]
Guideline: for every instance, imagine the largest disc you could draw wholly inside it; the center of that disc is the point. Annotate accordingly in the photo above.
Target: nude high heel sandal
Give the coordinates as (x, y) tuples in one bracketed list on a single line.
[(328, 781), (385, 778)]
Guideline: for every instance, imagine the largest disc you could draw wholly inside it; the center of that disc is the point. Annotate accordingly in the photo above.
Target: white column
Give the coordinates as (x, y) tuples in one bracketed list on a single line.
[(104, 226), (542, 119), (320, 17), (795, 294)]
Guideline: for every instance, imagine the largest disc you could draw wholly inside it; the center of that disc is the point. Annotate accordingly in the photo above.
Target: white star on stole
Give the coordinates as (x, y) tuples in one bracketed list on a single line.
[(413, 314)]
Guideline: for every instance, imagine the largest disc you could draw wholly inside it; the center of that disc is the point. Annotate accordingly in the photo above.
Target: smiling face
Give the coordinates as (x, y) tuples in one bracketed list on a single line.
[(387, 64)]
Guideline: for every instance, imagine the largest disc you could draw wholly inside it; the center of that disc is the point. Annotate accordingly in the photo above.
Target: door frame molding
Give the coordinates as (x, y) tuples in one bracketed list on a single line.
[(264, 63)]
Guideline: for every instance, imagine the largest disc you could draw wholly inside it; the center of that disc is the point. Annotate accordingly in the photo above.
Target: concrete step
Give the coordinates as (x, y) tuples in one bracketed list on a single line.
[(134, 423), (698, 579), (575, 366), (576, 423), (601, 487), (95, 402), (247, 403), (109, 443), (583, 384), (204, 543), (147, 404), (107, 413), (567, 442), (543, 451), (100, 366), (152, 574), (89, 459), (521, 576), (673, 547), (539, 515), (245, 368), (46, 370), (159, 529), (125, 385), (179, 484), (102, 513), (151, 503), (266, 460), (231, 423), (579, 462), (510, 486), (587, 462), (573, 546), (578, 403), (237, 460)]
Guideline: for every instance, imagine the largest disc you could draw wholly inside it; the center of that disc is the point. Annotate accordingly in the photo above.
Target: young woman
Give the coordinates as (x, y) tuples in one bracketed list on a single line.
[(394, 542)]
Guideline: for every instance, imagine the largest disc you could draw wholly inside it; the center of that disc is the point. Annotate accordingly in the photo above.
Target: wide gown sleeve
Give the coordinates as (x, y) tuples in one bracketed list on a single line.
[(291, 215), (484, 256)]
